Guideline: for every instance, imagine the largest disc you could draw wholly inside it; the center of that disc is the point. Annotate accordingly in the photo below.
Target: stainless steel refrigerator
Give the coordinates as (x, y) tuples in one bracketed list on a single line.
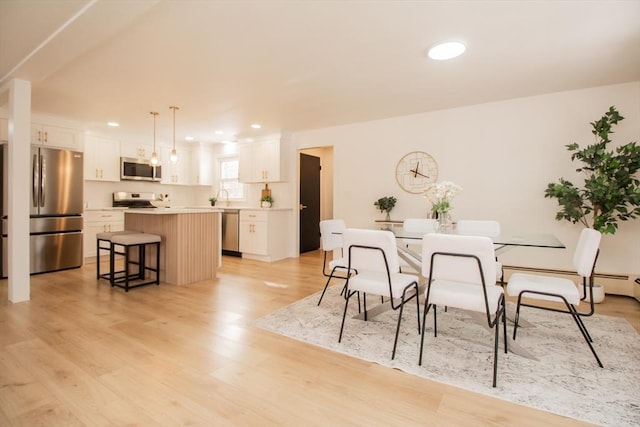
[(56, 210)]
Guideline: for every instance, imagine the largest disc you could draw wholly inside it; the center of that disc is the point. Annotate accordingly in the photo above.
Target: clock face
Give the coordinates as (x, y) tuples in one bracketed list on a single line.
[(415, 171)]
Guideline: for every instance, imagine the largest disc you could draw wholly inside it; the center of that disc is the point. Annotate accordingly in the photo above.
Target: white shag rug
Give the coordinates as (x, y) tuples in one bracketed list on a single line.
[(564, 379)]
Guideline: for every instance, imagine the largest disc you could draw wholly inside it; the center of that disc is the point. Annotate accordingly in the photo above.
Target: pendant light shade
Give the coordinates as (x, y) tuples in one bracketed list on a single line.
[(174, 153), (154, 155)]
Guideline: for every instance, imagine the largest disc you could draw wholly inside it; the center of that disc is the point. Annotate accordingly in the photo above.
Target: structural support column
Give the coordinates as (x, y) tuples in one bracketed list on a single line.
[(19, 190)]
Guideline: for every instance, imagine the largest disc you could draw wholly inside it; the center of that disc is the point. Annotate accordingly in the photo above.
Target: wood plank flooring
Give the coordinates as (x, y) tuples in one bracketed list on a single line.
[(81, 353)]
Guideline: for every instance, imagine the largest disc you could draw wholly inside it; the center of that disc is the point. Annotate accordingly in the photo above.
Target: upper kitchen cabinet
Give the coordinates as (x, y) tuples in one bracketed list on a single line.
[(179, 172), (55, 136), (101, 159), (137, 151), (259, 161), (202, 163), (4, 130)]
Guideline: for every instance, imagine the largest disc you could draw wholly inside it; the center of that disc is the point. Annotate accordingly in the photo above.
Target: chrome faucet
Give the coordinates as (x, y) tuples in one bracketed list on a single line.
[(226, 200)]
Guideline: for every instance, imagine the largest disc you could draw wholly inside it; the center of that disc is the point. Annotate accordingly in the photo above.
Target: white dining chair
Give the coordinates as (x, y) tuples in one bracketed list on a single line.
[(489, 228), (331, 235), (546, 288), (461, 274), (373, 255)]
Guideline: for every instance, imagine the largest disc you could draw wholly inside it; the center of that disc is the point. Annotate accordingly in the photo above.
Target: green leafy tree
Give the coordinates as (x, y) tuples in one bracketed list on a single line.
[(611, 191)]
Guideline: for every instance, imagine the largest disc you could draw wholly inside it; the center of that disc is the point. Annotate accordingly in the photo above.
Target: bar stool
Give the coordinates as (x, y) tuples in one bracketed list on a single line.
[(101, 239), (128, 242)]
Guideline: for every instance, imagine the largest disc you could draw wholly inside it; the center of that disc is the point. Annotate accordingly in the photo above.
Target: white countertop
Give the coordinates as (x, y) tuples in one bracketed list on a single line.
[(174, 211), (186, 209)]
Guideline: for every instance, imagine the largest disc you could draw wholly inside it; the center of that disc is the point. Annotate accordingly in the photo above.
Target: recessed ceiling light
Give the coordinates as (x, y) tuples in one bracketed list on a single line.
[(113, 124), (448, 50), (188, 138), (256, 126)]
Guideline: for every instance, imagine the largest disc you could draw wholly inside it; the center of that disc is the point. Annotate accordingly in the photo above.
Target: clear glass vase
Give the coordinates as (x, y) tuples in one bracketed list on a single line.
[(444, 222)]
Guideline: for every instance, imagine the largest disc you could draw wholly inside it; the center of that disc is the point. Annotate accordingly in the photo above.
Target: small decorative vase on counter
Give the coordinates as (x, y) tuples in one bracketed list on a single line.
[(264, 204), (387, 216)]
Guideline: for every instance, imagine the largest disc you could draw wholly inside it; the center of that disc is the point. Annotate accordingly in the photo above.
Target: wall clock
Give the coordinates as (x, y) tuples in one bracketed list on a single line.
[(415, 171)]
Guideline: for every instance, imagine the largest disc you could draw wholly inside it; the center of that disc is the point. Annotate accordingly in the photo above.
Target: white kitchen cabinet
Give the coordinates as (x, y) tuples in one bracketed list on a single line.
[(137, 151), (101, 159), (263, 234), (100, 222), (55, 136), (202, 163), (4, 130), (179, 172), (260, 161)]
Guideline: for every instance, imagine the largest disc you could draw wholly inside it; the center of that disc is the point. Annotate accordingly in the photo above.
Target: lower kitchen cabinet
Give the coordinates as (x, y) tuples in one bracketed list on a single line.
[(263, 234), (100, 222)]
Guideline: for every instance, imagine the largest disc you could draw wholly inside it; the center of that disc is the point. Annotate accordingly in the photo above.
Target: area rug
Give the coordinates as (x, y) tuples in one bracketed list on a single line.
[(562, 378)]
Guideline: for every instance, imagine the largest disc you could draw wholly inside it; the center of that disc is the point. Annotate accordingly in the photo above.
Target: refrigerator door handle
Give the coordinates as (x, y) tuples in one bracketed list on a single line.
[(35, 179), (43, 178)]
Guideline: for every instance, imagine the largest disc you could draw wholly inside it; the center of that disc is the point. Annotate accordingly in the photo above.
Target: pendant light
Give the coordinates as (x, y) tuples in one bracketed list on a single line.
[(154, 155), (174, 153)]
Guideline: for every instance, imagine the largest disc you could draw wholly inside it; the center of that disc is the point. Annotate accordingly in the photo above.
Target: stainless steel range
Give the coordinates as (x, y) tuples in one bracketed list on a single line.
[(124, 199)]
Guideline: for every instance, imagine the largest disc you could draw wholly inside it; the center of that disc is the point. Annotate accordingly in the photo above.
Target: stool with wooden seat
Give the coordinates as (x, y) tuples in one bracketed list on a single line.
[(103, 243), (127, 242)]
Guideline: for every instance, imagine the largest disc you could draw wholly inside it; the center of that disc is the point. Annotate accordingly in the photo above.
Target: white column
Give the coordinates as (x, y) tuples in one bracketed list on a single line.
[(19, 189)]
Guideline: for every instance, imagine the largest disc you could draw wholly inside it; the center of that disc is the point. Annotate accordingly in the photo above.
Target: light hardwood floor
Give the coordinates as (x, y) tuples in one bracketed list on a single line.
[(81, 353)]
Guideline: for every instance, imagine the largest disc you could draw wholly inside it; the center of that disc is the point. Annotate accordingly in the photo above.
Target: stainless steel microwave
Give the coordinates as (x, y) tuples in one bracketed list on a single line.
[(132, 169)]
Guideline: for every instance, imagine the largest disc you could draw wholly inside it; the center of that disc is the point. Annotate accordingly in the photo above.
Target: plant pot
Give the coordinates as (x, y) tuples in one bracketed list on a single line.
[(265, 204), (598, 293), (213, 203)]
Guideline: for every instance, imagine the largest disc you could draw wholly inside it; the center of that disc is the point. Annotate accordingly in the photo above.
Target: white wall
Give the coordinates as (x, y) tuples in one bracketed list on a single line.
[(503, 154)]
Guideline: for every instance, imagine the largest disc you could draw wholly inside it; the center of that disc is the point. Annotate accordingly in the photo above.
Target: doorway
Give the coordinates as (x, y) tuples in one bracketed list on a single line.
[(309, 193)]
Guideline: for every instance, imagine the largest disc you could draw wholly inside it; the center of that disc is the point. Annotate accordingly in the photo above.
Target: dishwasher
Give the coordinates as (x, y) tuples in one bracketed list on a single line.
[(231, 232)]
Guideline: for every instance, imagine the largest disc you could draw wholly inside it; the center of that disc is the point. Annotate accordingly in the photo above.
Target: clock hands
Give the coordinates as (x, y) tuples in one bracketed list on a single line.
[(416, 173)]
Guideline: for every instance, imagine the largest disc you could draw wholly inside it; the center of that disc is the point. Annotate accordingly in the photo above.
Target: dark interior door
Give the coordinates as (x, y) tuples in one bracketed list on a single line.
[(309, 203)]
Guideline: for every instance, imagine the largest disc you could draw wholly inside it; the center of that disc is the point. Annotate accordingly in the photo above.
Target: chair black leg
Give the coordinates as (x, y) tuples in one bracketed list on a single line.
[(395, 341), (517, 317), (424, 326), (344, 315), (435, 321), (504, 323), (495, 348), (325, 288), (586, 336), (418, 305)]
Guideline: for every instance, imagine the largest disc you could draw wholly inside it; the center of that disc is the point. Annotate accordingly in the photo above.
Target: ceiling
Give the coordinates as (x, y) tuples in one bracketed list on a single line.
[(297, 65)]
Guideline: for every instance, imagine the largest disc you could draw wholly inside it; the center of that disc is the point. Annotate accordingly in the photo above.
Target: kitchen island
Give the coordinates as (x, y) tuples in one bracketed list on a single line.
[(190, 247)]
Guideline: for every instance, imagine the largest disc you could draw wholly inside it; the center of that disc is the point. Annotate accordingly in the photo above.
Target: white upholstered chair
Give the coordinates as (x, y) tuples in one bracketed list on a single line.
[(547, 288), (373, 255), (331, 235), (461, 274), (489, 228)]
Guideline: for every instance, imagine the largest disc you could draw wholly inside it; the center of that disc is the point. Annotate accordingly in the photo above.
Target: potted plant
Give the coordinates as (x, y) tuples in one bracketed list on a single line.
[(611, 190), (386, 204), (266, 201), (213, 200)]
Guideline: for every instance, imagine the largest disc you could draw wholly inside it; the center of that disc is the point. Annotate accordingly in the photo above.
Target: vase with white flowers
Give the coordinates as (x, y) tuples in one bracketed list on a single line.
[(440, 195)]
